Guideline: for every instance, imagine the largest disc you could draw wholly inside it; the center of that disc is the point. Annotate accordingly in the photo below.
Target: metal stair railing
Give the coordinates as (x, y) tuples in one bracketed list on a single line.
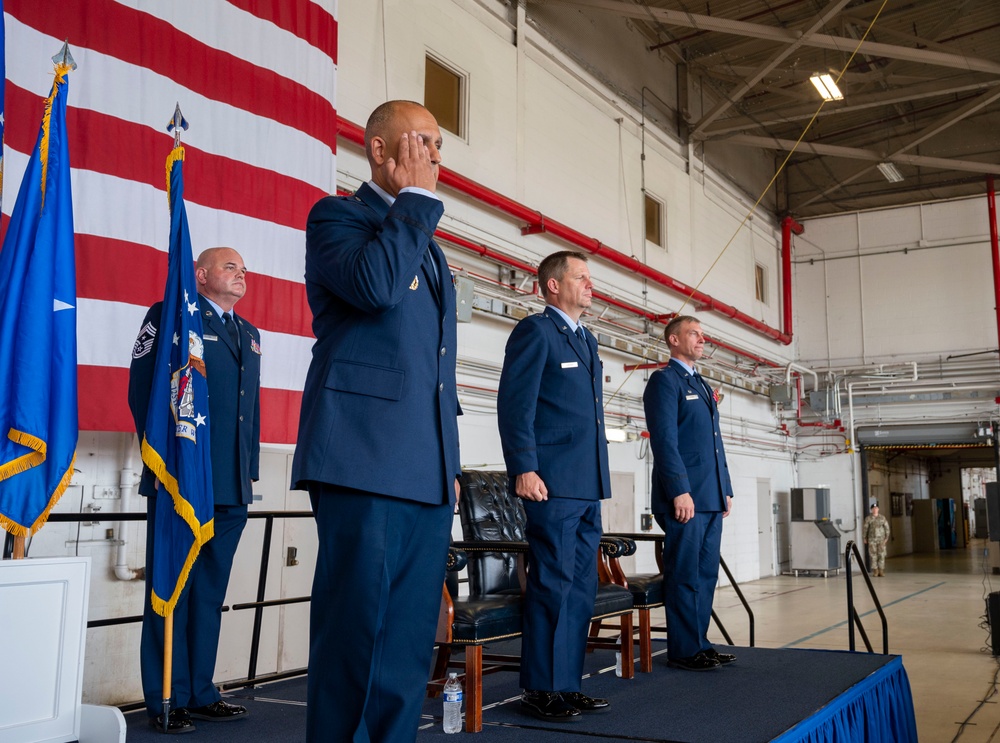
[(743, 600), (852, 613)]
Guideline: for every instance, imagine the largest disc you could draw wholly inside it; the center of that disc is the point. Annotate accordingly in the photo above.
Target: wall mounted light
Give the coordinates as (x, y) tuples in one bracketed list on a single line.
[(826, 87)]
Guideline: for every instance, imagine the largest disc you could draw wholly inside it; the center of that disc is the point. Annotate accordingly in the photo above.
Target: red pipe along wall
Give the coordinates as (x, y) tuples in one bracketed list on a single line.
[(538, 223), (991, 205)]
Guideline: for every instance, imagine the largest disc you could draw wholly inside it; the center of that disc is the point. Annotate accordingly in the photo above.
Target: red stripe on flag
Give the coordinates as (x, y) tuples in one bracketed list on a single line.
[(302, 18), (139, 154), (279, 416), (103, 394), (146, 41), (120, 271), (103, 399)]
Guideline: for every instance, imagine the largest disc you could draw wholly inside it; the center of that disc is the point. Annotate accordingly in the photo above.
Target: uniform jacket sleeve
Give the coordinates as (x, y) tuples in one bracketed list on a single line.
[(520, 381), (370, 271)]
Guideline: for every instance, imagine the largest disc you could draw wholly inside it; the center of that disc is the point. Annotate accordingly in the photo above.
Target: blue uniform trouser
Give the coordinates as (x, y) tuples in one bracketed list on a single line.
[(197, 616), (563, 536), (690, 572), (375, 602)]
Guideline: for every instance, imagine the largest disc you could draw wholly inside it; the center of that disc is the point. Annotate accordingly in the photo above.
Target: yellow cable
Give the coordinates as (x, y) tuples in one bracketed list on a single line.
[(753, 208)]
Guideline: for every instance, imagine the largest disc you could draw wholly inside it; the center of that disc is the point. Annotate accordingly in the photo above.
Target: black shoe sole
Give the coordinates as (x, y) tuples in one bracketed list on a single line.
[(176, 731), (671, 664), (538, 715), (228, 718)]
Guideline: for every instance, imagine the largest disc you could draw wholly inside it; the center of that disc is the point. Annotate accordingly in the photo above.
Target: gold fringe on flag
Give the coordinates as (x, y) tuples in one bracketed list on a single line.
[(19, 530), (43, 148), (177, 153), (201, 533)]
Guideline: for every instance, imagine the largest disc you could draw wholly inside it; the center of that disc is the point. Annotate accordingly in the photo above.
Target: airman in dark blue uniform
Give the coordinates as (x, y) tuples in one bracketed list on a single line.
[(232, 359), (692, 493), (378, 435), (551, 418)]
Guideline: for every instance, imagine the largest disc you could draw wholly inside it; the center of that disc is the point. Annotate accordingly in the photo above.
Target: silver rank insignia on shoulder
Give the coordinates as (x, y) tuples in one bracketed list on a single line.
[(414, 284)]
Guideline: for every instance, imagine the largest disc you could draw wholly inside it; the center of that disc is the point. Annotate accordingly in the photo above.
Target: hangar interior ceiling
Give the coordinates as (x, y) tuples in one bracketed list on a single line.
[(921, 86), (730, 79)]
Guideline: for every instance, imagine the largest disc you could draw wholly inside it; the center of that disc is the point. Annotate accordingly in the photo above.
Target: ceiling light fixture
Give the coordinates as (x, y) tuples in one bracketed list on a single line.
[(826, 87), (889, 171)]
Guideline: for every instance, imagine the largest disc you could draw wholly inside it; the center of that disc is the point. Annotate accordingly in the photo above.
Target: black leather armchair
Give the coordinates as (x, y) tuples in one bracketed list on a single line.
[(493, 527), (646, 590)]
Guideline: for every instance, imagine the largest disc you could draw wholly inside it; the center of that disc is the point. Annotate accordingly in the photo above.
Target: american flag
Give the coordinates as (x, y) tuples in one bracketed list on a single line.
[(256, 80)]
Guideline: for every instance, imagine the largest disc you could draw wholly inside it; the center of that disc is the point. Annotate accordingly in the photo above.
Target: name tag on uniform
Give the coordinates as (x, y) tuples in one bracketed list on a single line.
[(570, 364), (691, 397), (211, 337)]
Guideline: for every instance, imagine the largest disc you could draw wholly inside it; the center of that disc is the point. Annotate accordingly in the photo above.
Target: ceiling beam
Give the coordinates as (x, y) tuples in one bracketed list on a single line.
[(783, 36), (737, 93), (952, 86), (858, 153), (937, 127)]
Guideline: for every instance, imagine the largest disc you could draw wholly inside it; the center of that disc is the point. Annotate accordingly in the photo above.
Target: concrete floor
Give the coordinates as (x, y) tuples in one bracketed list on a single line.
[(935, 607)]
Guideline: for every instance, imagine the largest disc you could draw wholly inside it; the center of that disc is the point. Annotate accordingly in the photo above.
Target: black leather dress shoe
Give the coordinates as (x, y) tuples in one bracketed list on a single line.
[(724, 658), (699, 662), (178, 722), (549, 705), (220, 711), (584, 703)]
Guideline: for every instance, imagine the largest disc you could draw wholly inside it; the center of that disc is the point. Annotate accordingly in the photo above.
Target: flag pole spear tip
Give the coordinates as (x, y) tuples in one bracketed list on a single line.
[(64, 57), (176, 123)]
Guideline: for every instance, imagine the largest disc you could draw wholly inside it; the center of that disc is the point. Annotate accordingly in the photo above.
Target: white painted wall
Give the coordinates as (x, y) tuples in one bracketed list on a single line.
[(896, 284), (906, 284)]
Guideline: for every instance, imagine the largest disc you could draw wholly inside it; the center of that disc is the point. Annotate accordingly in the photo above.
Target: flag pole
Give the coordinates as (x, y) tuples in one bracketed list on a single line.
[(168, 666), (177, 123), (18, 553)]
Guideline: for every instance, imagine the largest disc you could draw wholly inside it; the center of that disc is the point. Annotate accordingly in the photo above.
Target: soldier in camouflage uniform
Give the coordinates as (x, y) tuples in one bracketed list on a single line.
[(875, 532)]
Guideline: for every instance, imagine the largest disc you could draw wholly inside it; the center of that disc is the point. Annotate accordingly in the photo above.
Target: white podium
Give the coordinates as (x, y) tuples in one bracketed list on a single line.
[(43, 631)]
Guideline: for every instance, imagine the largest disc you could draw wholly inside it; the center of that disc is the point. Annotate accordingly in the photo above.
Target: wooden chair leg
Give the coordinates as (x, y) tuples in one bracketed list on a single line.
[(628, 648), (473, 688), (645, 641)]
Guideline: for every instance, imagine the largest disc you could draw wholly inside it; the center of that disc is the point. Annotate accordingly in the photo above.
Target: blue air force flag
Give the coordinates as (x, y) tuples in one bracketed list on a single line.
[(38, 411), (175, 442)]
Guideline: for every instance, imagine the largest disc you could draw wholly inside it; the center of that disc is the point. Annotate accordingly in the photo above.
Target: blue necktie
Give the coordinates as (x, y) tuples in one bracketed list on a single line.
[(704, 386), (234, 334)]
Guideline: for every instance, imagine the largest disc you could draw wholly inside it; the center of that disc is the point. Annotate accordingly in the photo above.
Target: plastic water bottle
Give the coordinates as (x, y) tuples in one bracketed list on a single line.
[(618, 658), (453, 704)]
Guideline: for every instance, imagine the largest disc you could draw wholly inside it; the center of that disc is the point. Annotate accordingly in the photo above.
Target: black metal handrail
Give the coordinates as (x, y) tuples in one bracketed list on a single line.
[(852, 614), (647, 537), (258, 606), (743, 600)]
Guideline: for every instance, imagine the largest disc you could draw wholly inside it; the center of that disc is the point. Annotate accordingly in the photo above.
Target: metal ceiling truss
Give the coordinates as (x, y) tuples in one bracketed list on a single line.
[(924, 69)]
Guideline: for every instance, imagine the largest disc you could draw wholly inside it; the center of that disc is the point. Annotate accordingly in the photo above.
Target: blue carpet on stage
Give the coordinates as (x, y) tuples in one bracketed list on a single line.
[(783, 695)]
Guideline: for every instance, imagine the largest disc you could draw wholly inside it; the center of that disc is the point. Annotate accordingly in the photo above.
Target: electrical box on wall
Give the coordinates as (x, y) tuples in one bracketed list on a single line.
[(464, 294), (782, 394)]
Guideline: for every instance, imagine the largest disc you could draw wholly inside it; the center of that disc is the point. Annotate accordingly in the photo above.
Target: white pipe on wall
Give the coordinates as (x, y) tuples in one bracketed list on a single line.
[(128, 480)]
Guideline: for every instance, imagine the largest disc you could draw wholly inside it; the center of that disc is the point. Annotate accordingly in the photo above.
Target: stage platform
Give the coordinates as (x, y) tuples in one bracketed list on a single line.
[(783, 695)]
